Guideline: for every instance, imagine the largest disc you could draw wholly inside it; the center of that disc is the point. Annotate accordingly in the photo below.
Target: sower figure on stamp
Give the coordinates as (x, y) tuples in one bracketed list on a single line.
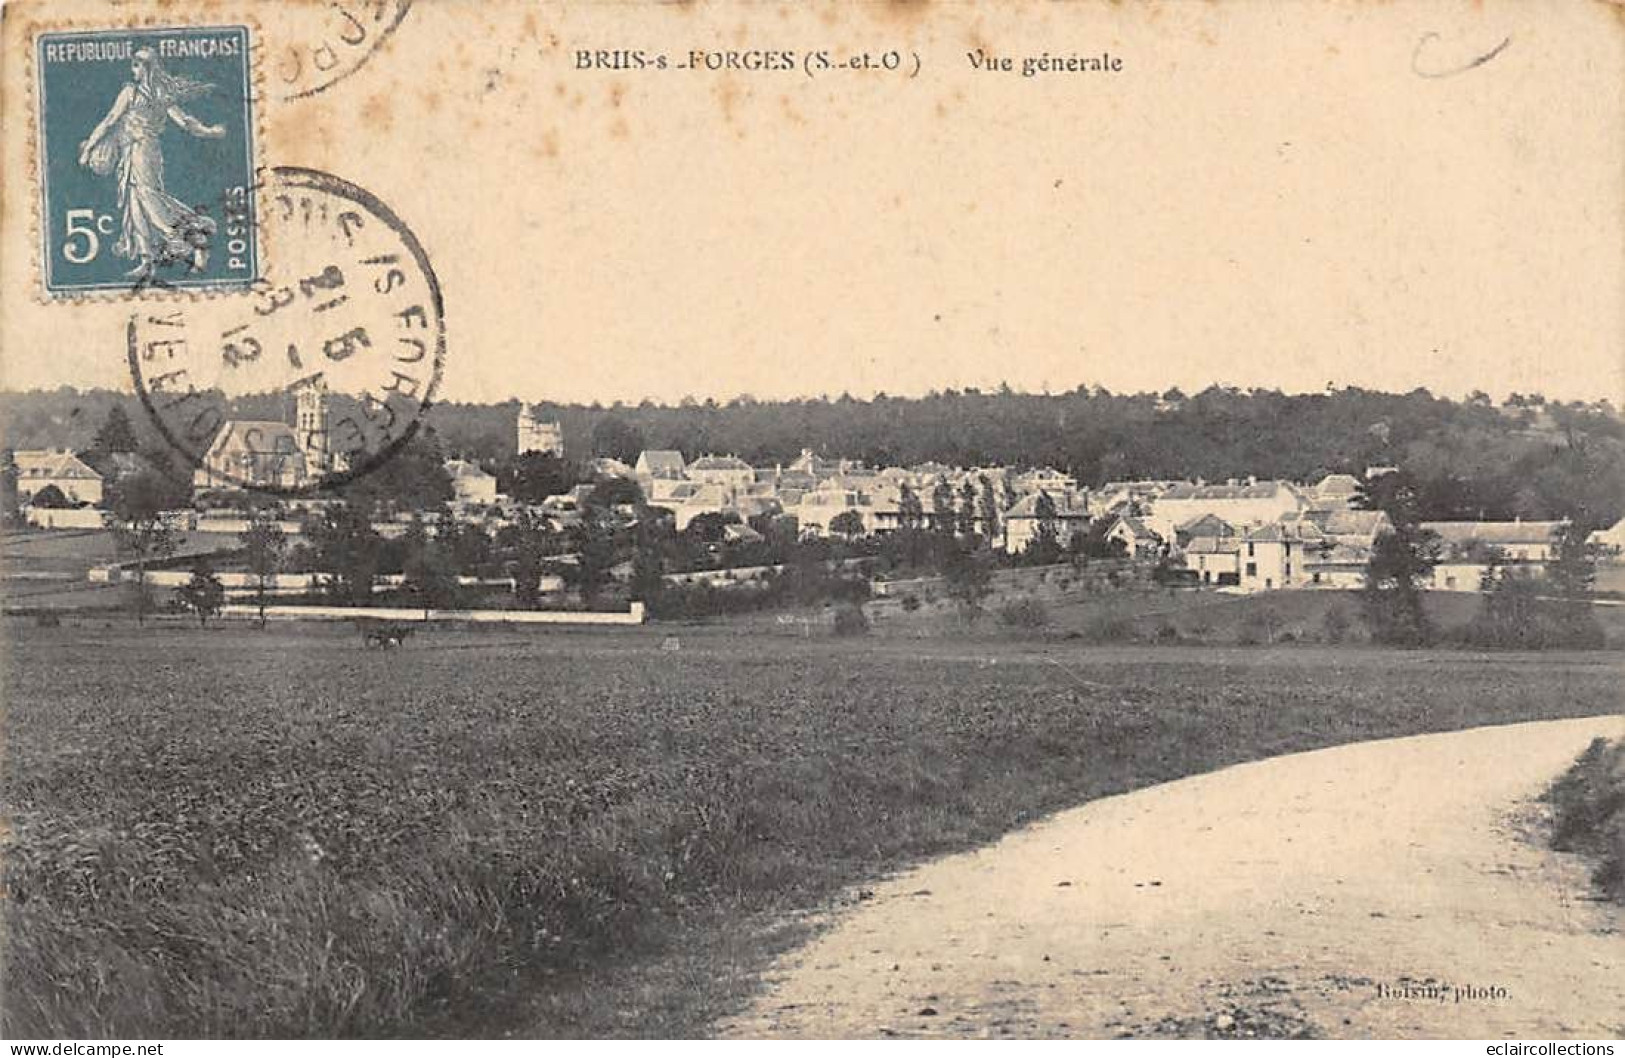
[(158, 228)]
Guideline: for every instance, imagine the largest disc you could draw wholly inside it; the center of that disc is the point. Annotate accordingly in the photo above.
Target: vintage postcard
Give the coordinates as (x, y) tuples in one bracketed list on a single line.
[(758, 519)]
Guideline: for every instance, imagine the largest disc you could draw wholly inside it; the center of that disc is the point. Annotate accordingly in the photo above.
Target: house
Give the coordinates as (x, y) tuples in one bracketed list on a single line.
[(1214, 559), (1275, 556), (470, 483), (1044, 479), (730, 472), (1468, 549), (658, 464), (1139, 540), (1114, 495), (38, 469), (821, 506), (1510, 542), (1334, 490), (814, 466), (1345, 538), (1336, 566), (608, 467), (254, 454), (1207, 526), (1609, 542), (1021, 521), (696, 499), (1249, 503)]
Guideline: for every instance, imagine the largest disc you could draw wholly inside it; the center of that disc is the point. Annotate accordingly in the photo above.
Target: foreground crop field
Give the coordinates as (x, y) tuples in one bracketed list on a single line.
[(230, 832)]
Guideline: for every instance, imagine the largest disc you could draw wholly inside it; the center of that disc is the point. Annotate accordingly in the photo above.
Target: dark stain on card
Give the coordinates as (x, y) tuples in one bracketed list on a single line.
[(378, 112)]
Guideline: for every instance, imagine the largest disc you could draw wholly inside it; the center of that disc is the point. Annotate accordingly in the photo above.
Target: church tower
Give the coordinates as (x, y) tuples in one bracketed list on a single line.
[(310, 424), (534, 435)]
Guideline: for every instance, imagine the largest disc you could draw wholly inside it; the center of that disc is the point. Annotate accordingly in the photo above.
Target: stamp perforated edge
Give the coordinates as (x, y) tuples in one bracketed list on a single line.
[(262, 168)]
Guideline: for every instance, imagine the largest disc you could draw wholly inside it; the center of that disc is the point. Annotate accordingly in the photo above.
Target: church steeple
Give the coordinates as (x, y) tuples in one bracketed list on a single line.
[(310, 423)]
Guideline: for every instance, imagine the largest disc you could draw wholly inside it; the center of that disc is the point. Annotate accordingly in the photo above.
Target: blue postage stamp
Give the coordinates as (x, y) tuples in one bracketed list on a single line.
[(146, 159)]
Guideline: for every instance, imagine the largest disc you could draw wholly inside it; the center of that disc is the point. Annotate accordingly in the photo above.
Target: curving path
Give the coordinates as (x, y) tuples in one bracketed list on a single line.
[(1275, 898)]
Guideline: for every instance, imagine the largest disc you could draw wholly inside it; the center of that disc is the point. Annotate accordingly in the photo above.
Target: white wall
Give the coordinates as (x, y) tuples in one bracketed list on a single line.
[(634, 616), (64, 518)]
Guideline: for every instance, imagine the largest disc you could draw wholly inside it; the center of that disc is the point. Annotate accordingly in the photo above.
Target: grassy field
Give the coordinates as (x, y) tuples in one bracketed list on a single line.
[(238, 833)]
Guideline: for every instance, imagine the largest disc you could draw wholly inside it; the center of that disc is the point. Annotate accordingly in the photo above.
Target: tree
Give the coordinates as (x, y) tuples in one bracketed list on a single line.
[(614, 492), (50, 498), (1574, 567), (10, 499), (426, 568), (116, 434), (534, 476), (1044, 548), (990, 510), (464, 547), (614, 437), (648, 575), (412, 479), (967, 508), (264, 545), (140, 529), (1400, 561), (595, 554), (203, 594), (910, 513), (528, 541), (942, 507), (968, 581), (848, 524), (348, 550)]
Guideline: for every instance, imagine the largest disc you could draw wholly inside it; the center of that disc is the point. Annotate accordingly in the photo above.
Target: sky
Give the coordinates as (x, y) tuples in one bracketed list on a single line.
[(1266, 195)]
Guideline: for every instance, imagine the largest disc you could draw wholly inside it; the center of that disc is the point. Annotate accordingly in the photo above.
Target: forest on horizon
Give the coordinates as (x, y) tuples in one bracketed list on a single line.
[(1522, 457)]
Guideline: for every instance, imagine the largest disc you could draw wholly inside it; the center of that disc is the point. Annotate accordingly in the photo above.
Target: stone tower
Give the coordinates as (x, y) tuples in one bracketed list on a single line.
[(310, 424), (538, 436)]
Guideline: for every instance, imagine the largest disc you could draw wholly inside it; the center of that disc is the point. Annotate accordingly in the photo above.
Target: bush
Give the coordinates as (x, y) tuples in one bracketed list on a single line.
[(1334, 627), (1262, 625), (1024, 613), (1515, 616), (850, 620), (911, 602), (1165, 633), (1589, 813), (1109, 629)]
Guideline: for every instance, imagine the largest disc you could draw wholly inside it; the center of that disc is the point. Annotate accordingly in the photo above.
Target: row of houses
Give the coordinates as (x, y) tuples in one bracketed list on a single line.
[(1250, 535)]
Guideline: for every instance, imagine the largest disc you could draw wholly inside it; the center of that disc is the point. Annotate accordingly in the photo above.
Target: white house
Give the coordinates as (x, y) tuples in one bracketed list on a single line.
[(1611, 541), (1214, 559), (1139, 540), (37, 469), (1250, 503), (1335, 490), (1515, 541), (1021, 521), (470, 483), (730, 472), (658, 464), (1274, 556)]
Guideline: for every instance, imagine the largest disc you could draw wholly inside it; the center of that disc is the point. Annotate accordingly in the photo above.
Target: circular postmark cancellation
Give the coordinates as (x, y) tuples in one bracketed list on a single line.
[(321, 372), (342, 40)]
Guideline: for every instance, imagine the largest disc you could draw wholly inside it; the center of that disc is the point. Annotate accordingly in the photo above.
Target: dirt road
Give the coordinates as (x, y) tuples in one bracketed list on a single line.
[(1347, 892)]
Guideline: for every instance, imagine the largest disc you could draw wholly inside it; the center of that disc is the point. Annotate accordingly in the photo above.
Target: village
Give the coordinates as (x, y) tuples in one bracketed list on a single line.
[(1239, 536)]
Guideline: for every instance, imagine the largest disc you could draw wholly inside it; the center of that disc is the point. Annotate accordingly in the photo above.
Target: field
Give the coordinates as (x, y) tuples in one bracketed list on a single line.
[(235, 833)]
